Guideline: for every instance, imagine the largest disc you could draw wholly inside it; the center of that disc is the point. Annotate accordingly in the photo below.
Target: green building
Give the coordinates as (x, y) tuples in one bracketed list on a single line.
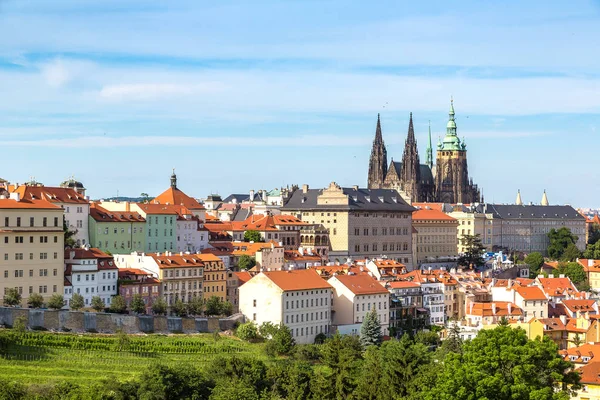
[(161, 226), (118, 232)]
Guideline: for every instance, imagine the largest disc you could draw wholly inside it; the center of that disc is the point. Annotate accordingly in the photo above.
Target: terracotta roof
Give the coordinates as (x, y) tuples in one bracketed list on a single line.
[(590, 373), (585, 350), (29, 204), (243, 276), (556, 286), (572, 326), (500, 310), (294, 255), (301, 279), (250, 249), (590, 265), (158, 209), (85, 254), (259, 223), (403, 284), (431, 215), (580, 305), (107, 264), (176, 197), (101, 214), (133, 271), (51, 194), (182, 261), (361, 284), (432, 206), (553, 324), (530, 293)]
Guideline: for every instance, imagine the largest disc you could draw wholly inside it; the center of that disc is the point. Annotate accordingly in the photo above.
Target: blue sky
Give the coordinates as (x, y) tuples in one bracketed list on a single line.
[(240, 95)]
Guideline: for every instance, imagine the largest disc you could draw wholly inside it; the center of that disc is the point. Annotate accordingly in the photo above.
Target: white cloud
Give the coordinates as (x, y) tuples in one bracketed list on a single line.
[(56, 73), (154, 91)]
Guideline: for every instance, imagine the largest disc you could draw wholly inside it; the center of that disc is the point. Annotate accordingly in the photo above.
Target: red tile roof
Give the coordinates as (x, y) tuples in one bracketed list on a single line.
[(431, 215), (500, 310), (557, 286), (530, 293), (404, 284), (86, 254), (51, 194), (361, 284), (182, 261), (28, 204), (176, 197), (101, 214), (148, 208), (295, 256), (243, 276), (590, 373), (552, 324), (302, 279), (579, 305)]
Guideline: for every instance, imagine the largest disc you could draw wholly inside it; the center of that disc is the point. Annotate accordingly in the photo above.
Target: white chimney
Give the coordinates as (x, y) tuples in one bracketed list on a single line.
[(494, 308), (15, 196), (251, 196), (590, 263), (509, 309), (563, 319), (305, 188)]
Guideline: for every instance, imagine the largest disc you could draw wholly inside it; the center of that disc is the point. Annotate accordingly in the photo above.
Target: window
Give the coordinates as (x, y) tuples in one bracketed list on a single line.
[(19, 221), (45, 221), (254, 305), (55, 221), (31, 219)]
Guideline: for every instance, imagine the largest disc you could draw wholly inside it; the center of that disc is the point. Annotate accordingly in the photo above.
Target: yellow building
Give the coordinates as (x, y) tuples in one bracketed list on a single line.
[(592, 270), (361, 222), (436, 235), (32, 247)]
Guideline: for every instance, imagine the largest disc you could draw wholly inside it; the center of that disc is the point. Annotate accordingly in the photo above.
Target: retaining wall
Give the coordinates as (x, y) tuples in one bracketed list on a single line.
[(80, 321)]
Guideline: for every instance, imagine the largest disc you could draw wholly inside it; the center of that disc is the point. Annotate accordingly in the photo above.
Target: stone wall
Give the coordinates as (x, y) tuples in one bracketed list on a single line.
[(78, 321)]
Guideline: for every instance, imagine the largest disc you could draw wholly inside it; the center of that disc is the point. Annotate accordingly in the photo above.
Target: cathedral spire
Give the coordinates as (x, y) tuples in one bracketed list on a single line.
[(411, 131), (410, 173), (378, 161), (545, 199), (519, 201), (429, 160)]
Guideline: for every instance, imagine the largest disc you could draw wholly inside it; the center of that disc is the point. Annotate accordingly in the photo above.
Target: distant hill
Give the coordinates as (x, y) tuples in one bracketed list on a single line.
[(130, 199)]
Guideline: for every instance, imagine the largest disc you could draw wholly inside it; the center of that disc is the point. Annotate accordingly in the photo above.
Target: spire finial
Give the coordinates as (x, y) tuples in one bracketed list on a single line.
[(174, 180)]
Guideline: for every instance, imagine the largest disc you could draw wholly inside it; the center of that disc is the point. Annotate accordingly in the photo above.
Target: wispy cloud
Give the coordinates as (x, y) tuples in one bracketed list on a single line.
[(155, 91)]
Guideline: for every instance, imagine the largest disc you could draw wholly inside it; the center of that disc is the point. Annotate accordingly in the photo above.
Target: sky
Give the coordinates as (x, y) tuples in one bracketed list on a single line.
[(240, 95)]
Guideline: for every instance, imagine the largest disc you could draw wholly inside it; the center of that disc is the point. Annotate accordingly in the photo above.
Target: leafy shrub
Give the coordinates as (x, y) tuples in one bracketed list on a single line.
[(247, 332), (56, 302), (35, 300)]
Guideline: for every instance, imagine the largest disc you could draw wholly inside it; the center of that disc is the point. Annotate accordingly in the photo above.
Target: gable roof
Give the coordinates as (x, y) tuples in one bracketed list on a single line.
[(496, 308), (431, 215), (100, 214), (358, 199), (302, 279), (176, 197), (29, 204), (51, 194), (243, 276), (590, 373), (530, 292), (361, 284), (580, 305), (85, 254), (424, 170), (557, 286), (158, 209)]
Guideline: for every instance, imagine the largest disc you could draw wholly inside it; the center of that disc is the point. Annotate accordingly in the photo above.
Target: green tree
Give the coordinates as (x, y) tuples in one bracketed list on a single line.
[(69, 234), (342, 355), (195, 306), (226, 308), (97, 304), (535, 261), (559, 241), (145, 197), (592, 251), (268, 330), (474, 249), (77, 302), (571, 253), (137, 304), (213, 306), (246, 262), (503, 364), (35, 300), (56, 302), (234, 390), (159, 306), (573, 271), (12, 297), (453, 342), (247, 331), (594, 235), (577, 340), (173, 383), (231, 369), (370, 330), (283, 340), (117, 305), (253, 236), (179, 308)]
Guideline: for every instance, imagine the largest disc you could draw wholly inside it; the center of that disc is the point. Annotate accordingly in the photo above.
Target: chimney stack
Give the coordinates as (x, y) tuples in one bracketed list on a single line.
[(305, 188)]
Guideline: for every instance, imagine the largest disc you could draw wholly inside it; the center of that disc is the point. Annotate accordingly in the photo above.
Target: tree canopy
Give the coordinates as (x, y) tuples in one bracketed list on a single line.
[(575, 272), (246, 262), (560, 239), (253, 236), (56, 302), (35, 300), (592, 251), (474, 249), (370, 330), (12, 297), (535, 261), (77, 302)]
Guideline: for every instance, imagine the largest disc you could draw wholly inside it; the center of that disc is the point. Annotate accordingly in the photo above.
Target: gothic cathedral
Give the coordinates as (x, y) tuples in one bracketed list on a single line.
[(415, 181)]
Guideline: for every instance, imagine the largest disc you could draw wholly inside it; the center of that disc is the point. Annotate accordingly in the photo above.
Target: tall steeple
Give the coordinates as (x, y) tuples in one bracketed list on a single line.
[(410, 173), (378, 166), (519, 201), (429, 160), (545, 199), (174, 180)]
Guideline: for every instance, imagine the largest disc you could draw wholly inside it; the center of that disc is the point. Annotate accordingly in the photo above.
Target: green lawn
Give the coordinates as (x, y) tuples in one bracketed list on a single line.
[(40, 357)]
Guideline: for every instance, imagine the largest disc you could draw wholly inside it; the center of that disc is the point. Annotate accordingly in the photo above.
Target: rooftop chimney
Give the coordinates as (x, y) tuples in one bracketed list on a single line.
[(305, 188), (15, 196)]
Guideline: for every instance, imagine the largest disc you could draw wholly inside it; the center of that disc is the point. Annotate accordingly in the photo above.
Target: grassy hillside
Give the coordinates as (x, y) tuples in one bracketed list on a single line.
[(40, 357)]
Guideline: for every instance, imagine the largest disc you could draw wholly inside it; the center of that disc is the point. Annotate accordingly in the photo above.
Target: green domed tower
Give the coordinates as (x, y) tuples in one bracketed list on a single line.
[(452, 175)]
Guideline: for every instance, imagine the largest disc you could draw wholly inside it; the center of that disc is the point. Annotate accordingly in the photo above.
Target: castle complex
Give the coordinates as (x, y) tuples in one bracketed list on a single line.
[(447, 181)]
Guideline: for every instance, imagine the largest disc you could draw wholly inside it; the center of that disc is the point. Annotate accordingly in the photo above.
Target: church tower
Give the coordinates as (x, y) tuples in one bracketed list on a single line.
[(452, 174), (410, 173), (378, 166)]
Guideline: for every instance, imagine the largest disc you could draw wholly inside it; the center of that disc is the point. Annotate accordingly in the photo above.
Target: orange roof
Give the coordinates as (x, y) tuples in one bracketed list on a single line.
[(432, 206), (557, 286), (431, 215), (404, 284), (552, 324), (579, 305), (294, 255), (250, 249), (149, 208), (133, 271), (288, 220), (29, 204), (256, 223), (500, 310), (243, 276), (51, 194), (572, 326), (301, 279), (84, 254), (361, 284), (176, 197), (590, 265), (590, 373), (101, 214), (530, 293), (182, 261)]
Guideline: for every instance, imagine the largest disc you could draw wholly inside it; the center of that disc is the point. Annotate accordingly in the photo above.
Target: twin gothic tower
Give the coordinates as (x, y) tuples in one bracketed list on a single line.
[(446, 182)]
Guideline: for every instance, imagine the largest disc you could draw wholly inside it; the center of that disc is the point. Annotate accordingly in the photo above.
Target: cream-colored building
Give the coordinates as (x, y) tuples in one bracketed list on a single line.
[(531, 299), (474, 220), (300, 299), (361, 222), (354, 297), (436, 236), (32, 247)]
